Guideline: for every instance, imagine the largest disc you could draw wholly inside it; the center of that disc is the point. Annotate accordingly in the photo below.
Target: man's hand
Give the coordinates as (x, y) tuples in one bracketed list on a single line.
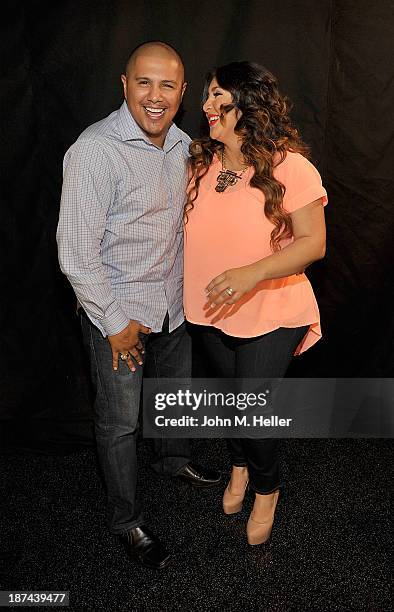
[(128, 342)]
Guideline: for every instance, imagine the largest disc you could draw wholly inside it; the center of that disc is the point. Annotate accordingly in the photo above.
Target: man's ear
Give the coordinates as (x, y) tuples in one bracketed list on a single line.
[(123, 78), (183, 88)]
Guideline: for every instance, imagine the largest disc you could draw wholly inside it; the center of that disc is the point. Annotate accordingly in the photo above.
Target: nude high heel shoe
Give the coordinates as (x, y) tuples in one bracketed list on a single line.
[(233, 503), (258, 532)]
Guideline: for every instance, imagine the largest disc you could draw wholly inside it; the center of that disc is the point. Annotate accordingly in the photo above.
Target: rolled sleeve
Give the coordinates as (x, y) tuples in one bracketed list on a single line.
[(302, 180)]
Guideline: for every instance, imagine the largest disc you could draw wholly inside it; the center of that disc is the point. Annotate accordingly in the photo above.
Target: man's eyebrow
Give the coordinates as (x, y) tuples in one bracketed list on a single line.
[(138, 78)]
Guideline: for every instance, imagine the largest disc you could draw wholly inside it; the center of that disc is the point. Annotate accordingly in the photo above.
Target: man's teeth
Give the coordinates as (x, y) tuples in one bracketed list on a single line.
[(155, 110)]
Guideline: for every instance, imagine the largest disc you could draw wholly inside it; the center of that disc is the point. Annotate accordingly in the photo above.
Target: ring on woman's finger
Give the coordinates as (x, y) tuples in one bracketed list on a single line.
[(124, 356), (229, 291)]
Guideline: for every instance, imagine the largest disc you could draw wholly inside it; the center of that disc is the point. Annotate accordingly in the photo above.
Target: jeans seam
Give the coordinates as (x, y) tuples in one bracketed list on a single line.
[(102, 387), (162, 439)]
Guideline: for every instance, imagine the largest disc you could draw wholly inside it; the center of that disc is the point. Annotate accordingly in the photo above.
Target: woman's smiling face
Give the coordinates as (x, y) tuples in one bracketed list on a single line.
[(221, 124)]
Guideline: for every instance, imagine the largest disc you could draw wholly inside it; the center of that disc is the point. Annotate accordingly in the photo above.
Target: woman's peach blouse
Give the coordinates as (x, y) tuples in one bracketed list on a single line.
[(229, 230)]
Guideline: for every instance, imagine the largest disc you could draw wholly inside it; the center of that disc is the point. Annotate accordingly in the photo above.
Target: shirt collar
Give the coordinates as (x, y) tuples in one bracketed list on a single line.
[(130, 130)]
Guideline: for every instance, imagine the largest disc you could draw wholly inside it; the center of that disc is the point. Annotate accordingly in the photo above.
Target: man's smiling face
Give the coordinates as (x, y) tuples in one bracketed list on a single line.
[(153, 88)]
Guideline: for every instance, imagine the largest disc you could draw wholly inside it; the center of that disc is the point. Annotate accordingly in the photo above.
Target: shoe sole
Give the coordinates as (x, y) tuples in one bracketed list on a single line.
[(142, 563), (233, 510), (165, 563), (197, 485), (257, 541)]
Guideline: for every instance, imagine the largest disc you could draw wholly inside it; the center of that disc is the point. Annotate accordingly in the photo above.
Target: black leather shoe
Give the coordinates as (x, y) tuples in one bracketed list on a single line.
[(145, 548), (198, 476)]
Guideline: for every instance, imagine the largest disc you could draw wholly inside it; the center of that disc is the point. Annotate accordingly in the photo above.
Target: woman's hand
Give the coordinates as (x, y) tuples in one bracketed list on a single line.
[(309, 233), (231, 285)]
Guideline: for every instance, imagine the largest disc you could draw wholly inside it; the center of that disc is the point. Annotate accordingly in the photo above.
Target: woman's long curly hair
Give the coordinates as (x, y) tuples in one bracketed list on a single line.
[(265, 130)]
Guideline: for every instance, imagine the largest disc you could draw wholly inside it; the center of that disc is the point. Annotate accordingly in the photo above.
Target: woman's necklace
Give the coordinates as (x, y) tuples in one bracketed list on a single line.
[(227, 178)]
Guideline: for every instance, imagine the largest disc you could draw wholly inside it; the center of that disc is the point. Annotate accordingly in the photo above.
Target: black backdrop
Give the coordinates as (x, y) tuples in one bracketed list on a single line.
[(60, 72)]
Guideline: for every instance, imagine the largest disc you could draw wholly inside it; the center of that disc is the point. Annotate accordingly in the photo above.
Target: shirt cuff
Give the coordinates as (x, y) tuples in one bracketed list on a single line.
[(115, 323)]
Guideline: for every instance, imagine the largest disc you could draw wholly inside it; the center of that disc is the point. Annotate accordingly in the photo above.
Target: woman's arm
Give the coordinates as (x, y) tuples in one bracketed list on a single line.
[(309, 245)]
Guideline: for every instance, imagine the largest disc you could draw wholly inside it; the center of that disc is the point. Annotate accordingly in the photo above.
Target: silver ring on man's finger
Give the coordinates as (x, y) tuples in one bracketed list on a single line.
[(229, 291), (124, 356)]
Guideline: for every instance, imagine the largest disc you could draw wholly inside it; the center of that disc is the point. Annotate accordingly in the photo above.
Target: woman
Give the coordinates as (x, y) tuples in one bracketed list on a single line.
[(254, 221)]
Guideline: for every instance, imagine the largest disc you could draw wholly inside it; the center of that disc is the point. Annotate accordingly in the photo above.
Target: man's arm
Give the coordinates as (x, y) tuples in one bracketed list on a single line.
[(87, 194)]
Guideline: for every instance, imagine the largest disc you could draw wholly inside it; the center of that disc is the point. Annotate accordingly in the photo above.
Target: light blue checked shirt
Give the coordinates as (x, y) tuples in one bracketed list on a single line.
[(120, 232)]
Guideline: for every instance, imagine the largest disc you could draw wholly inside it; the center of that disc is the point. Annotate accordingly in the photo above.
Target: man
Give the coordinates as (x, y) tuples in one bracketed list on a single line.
[(120, 245)]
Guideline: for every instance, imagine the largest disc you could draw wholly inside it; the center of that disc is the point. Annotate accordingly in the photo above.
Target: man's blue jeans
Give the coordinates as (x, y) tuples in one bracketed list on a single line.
[(116, 409)]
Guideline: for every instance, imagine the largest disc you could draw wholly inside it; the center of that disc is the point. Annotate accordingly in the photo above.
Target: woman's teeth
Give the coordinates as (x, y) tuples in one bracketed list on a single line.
[(213, 119)]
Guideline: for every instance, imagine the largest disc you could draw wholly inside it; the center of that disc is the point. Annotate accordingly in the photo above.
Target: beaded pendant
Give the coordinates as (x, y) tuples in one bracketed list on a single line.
[(226, 178)]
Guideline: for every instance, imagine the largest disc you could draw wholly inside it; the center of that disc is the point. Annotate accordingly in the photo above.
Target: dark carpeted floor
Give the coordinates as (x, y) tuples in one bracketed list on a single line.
[(329, 549)]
